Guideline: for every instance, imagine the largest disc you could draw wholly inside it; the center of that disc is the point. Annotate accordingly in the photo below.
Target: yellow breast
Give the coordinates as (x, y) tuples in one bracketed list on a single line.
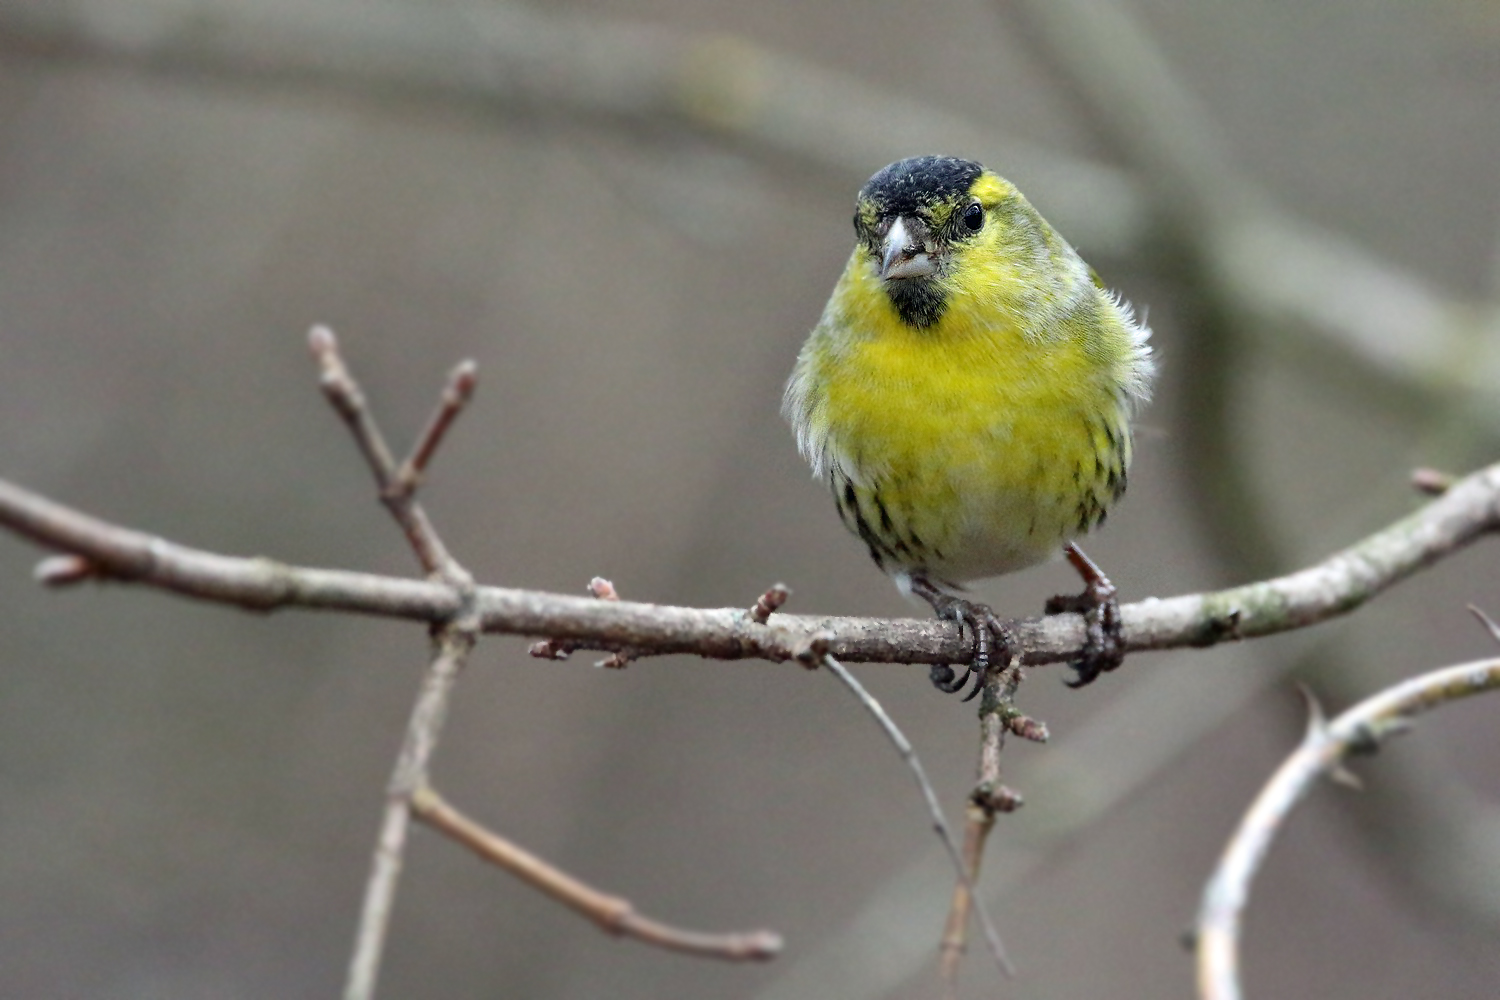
[(967, 448)]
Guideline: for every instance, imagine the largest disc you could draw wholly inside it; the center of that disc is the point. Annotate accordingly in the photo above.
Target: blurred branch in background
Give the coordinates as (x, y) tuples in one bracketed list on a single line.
[(1260, 261), (1294, 276)]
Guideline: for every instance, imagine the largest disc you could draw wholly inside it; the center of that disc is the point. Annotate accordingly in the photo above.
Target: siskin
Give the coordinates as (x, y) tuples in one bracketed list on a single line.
[(967, 397)]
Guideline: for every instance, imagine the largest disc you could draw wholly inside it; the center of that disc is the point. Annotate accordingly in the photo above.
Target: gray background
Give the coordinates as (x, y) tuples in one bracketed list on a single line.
[(189, 794)]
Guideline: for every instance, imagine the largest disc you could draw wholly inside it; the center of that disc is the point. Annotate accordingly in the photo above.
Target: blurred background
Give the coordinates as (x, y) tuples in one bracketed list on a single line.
[(630, 212)]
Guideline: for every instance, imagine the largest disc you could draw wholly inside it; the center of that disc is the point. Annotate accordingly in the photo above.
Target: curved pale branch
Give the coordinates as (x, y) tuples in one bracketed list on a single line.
[(1359, 729), (1335, 586)]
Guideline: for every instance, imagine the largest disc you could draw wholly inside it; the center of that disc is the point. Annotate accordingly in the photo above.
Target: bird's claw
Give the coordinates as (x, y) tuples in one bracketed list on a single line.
[(1104, 641), (992, 639)]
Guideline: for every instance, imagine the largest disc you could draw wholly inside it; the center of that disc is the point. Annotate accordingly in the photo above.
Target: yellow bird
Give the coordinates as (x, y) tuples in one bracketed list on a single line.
[(967, 397)]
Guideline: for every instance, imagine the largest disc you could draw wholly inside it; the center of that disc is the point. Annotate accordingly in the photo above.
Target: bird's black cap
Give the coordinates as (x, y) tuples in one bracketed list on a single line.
[(906, 185)]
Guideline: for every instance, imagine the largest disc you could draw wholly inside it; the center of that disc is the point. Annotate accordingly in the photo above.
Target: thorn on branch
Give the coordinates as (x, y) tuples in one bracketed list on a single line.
[(618, 660), (66, 570), (1491, 626), (1341, 775), (1431, 482), (769, 603)]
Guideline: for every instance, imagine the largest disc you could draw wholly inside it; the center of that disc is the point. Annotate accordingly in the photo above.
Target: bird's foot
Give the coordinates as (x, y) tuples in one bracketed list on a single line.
[(1104, 642), (993, 642)]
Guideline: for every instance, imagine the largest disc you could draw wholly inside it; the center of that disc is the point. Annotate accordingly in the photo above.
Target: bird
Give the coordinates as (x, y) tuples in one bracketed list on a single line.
[(967, 397)]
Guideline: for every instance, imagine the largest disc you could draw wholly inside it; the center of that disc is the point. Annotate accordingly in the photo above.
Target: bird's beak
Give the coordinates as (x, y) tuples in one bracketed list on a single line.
[(907, 251)]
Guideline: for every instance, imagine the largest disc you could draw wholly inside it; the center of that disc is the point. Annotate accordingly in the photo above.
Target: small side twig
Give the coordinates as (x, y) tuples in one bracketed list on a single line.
[(816, 653), (1323, 749), (456, 395), (769, 603), (612, 913)]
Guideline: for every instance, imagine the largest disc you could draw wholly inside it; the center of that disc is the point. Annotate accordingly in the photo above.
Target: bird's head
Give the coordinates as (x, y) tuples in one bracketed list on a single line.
[(919, 221)]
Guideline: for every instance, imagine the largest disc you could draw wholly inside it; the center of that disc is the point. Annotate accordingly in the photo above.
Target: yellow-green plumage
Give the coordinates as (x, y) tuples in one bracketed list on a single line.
[(971, 417)]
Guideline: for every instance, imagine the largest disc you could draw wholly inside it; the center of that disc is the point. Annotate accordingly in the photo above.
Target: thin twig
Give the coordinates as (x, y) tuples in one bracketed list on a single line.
[(456, 395), (939, 822), (612, 913), (1322, 750), (422, 732), (1325, 590)]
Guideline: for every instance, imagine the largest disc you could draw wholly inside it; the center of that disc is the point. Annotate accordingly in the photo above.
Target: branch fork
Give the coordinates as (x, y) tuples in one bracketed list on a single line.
[(410, 793)]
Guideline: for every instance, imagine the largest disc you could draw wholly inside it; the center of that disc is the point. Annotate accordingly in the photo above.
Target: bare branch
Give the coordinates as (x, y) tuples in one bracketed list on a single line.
[(1322, 750), (1336, 586), (611, 913)]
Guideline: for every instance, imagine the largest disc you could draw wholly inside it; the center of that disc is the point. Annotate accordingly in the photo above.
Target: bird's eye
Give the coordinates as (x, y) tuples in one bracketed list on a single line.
[(974, 217)]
